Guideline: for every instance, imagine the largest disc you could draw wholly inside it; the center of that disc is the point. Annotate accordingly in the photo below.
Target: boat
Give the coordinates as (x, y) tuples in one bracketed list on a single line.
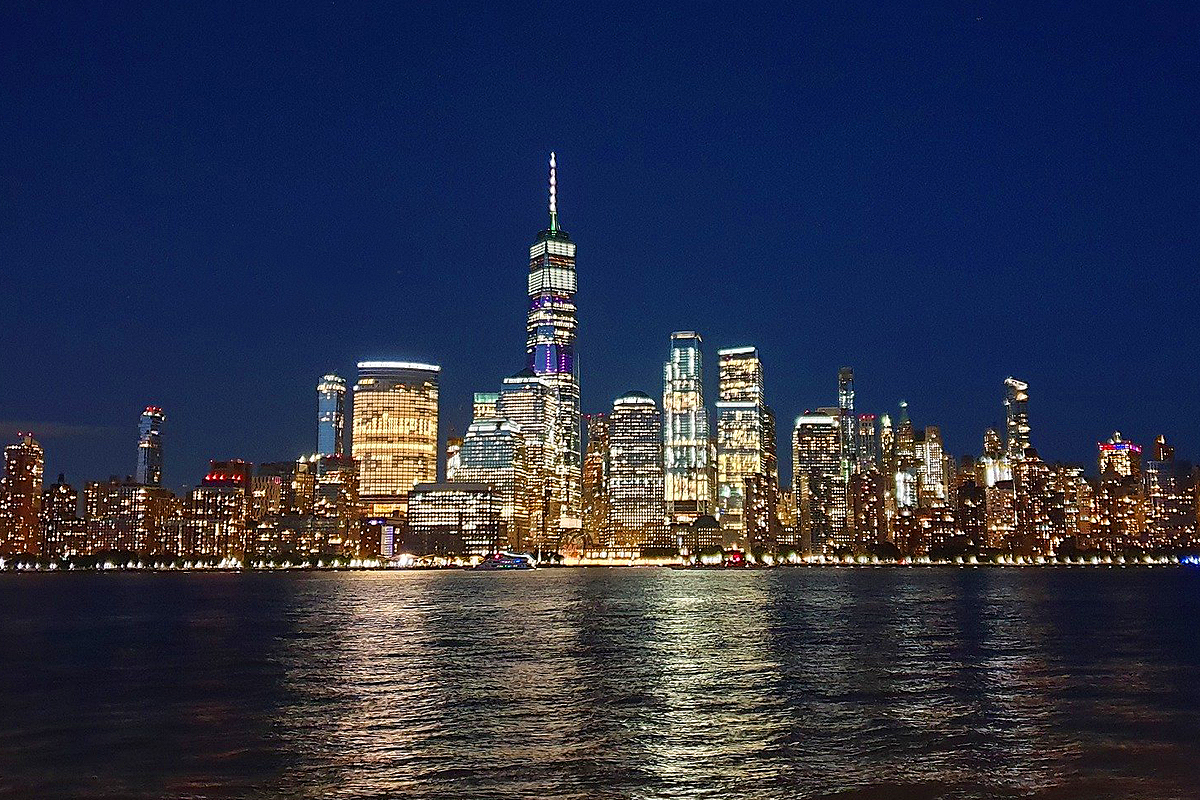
[(505, 561)]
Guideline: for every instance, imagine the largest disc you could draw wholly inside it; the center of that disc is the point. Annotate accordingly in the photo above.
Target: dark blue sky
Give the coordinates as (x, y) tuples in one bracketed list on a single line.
[(207, 208)]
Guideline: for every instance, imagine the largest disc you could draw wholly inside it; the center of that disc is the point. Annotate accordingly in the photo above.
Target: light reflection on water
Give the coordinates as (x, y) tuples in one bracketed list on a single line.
[(603, 683)]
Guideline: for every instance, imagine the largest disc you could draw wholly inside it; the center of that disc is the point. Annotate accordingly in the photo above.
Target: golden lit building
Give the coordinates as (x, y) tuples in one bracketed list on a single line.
[(21, 498)]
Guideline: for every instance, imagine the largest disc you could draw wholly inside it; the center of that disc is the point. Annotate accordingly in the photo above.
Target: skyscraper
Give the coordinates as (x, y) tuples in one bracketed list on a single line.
[(817, 480), (690, 489), (150, 454), (743, 430), (636, 476), (596, 503), (493, 452), (1016, 411), (395, 432), (21, 498), (550, 350), (532, 403), (847, 421), (868, 442), (331, 415), (1121, 456)]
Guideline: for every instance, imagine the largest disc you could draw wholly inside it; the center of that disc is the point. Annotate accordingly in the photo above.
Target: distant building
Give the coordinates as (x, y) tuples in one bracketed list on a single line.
[(868, 442), (847, 421), (331, 415), (130, 517), (744, 429), (494, 453), (1120, 456), (638, 515), (395, 432), (817, 481), (597, 505), (150, 449), (453, 519), (1016, 412), (64, 532), (690, 477), (1170, 499), (533, 404), (21, 498), (217, 514)]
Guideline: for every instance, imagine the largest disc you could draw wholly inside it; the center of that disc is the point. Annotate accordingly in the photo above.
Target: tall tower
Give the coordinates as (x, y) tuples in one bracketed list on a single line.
[(636, 476), (331, 415), (395, 432), (690, 489), (550, 349), (21, 498), (150, 454), (846, 420), (743, 433), (1016, 411)]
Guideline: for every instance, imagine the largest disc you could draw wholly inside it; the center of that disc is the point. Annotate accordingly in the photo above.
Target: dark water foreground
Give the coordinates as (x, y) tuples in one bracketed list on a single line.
[(603, 683)]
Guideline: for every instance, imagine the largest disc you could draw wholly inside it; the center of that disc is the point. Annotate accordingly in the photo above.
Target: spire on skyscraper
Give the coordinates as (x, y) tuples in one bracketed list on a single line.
[(553, 195)]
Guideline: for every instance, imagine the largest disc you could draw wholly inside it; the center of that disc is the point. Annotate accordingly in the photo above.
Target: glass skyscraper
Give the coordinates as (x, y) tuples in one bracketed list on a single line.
[(331, 415), (150, 453), (1016, 411), (743, 431), (550, 350), (395, 432), (635, 479), (493, 452), (690, 486)]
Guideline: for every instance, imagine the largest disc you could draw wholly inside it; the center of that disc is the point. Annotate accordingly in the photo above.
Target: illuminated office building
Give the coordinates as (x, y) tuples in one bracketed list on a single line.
[(454, 519), (331, 415), (64, 532), (532, 403), (395, 432), (217, 513), (635, 478), (1034, 504), (131, 517), (868, 442), (1016, 413), (494, 453), (1170, 501), (847, 422), (817, 480), (690, 485), (1122, 457), (932, 484), (453, 453), (1000, 502), (994, 466), (336, 504), (21, 498), (743, 431), (970, 514), (150, 452), (1120, 512), (866, 510), (485, 405), (887, 445), (297, 484), (597, 505), (550, 353)]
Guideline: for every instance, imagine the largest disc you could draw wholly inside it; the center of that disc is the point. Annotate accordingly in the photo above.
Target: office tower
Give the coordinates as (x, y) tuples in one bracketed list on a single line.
[(866, 511), (494, 453), (1000, 505), (395, 432), (887, 445), (1120, 511), (816, 479), (743, 430), (453, 453), (21, 498), (690, 488), (932, 484), (1170, 502), (331, 415), (150, 454), (533, 404), (867, 440), (994, 466), (847, 422), (1074, 514), (760, 513), (550, 353), (131, 517), (635, 478), (485, 405), (297, 484), (217, 512), (1016, 412), (1122, 457), (64, 533), (970, 513), (336, 505), (906, 450), (597, 505), (454, 519), (1034, 499)]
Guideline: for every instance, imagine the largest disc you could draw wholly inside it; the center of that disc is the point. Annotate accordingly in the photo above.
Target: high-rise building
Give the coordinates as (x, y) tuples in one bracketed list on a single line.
[(21, 498), (817, 480), (597, 506), (690, 485), (131, 517), (150, 453), (485, 406), (494, 453), (64, 533), (1121, 456), (635, 480), (742, 433), (217, 514), (1016, 412), (550, 351), (1170, 499), (932, 483), (532, 403), (847, 422), (1034, 501), (331, 415), (995, 465), (395, 432), (868, 442), (454, 519)]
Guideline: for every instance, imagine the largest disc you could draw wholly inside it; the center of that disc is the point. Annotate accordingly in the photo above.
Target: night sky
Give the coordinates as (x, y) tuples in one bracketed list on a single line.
[(206, 209)]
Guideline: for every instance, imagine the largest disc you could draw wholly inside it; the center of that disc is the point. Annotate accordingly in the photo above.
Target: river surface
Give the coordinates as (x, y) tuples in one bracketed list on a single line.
[(603, 683)]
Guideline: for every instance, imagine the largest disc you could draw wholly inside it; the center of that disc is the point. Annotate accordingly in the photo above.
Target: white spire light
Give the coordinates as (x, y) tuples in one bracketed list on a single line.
[(553, 195)]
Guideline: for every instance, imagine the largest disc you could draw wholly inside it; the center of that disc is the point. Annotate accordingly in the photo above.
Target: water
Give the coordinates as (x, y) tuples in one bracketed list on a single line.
[(603, 683)]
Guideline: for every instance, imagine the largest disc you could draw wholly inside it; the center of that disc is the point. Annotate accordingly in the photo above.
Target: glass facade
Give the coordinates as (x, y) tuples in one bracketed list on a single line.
[(744, 433), (690, 476), (534, 405), (494, 453), (331, 415), (1016, 412), (150, 453), (453, 519), (395, 432), (635, 480), (817, 481)]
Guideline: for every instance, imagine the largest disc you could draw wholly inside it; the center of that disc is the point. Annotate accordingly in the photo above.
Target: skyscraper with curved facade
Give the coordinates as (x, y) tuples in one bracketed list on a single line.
[(550, 350), (150, 452), (395, 432)]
